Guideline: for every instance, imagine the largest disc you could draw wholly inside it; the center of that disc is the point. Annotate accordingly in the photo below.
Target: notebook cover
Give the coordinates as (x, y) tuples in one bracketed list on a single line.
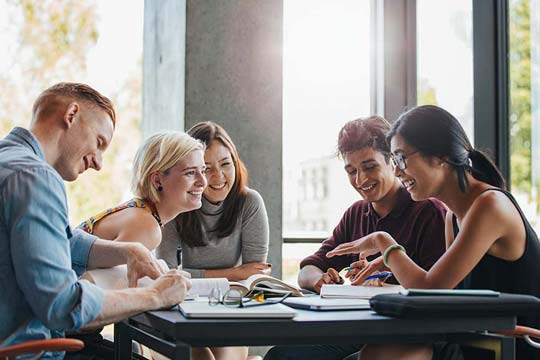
[(398, 305)]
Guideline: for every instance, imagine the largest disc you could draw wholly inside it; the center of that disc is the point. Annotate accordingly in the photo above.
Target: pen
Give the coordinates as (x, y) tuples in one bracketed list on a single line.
[(381, 275), (179, 255)]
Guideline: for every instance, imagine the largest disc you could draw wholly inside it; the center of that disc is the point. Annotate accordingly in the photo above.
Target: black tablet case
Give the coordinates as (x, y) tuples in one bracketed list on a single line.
[(402, 306)]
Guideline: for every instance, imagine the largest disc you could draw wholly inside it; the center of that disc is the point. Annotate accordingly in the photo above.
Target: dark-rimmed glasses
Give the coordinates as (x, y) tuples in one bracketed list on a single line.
[(399, 159), (234, 298)]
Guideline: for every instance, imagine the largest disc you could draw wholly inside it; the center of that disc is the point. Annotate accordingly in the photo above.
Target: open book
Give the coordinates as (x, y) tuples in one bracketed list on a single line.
[(357, 292), (116, 278), (265, 283)]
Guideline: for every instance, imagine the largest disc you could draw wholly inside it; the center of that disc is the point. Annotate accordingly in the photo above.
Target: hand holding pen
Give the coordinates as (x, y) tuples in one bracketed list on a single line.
[(363, 270), (331, 276)]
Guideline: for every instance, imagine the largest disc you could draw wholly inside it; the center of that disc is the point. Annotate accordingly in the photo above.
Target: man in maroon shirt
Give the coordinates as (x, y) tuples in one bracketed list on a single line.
[(386, 206)]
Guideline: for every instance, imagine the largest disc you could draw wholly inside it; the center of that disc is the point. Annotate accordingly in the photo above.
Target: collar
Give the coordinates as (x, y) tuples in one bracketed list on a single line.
[(24, 137), (208, 208), (404, 200)]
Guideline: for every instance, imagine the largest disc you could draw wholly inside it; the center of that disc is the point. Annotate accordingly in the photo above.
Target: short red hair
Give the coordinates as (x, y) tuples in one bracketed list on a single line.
[(76, 91)]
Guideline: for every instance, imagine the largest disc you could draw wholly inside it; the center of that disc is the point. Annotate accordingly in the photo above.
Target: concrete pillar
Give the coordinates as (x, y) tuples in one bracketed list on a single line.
[(234, 77), (163, 65), (221, 61)]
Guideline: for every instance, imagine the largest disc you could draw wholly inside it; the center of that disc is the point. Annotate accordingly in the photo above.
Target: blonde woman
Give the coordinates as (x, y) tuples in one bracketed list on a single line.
[(168, 179), (226, 237)]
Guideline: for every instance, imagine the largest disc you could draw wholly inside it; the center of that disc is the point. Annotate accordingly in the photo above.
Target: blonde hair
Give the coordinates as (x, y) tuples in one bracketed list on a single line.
[(159, 152)]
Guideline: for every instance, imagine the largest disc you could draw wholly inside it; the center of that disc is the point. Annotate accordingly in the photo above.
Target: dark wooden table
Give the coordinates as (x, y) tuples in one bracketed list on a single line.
[(171, 334)]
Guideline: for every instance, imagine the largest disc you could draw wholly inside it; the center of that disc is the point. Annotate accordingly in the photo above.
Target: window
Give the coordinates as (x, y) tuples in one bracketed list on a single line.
[(445, 58), (61, 40), (524, 38), (326, 83)]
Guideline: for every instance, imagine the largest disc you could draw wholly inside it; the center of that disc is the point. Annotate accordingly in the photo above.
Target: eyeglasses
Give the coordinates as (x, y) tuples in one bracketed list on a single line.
[(234, 298), (399, 159)]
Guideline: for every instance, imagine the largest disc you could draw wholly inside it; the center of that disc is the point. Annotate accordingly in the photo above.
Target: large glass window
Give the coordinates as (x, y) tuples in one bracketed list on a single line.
[(445, 58), (524, 37), (50, 41), (326, 83)]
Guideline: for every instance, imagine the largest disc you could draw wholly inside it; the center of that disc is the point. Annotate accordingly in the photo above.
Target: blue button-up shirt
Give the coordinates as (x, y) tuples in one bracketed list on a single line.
[(40, 258)]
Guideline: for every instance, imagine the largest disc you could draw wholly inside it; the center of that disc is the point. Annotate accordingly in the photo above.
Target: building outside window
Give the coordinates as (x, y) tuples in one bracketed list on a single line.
[(326, 82)]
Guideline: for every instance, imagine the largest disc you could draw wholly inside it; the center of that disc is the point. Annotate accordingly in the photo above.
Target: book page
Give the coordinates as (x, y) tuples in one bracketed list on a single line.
[(268, 283), (357, 292)]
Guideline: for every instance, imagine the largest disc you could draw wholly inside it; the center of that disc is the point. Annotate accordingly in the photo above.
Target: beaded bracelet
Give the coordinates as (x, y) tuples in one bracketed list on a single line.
[(388, 250)]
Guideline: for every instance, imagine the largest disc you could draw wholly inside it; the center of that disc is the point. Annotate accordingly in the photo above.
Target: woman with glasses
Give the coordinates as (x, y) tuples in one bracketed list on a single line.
[(228, 236), (490, 243)]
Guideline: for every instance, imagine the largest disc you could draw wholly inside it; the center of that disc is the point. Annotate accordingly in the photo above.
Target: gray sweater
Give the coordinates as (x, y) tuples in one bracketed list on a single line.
[(247, 243)]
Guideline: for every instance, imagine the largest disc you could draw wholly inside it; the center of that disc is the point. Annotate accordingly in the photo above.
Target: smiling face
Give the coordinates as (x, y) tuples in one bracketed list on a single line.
[(184, 183), (422, 176), (84, 142), (369, 173), (220, 172)]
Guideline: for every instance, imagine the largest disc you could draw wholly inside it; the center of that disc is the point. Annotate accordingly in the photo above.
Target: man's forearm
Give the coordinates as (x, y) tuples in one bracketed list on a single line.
[(107, 253), (308, 277), (121, 304)]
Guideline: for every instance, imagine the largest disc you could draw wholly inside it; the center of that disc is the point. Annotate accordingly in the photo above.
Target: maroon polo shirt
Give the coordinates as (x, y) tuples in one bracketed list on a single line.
[(417, 225)]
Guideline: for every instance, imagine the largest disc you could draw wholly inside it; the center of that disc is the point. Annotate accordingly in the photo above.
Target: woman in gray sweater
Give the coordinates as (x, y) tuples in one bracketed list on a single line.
[(228, 236)]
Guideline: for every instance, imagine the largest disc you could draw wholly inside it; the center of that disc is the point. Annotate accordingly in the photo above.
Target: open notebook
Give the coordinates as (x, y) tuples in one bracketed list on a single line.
[(201, 309)]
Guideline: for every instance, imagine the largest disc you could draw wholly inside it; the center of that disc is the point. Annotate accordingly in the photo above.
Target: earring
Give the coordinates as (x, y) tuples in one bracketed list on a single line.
[(160, 188)]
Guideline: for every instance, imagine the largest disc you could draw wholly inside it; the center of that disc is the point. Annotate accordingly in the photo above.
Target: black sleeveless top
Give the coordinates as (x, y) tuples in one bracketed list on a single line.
[(520, 276)]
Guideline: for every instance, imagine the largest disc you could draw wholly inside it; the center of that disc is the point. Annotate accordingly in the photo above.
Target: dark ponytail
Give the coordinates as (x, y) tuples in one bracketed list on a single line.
[(435, 132), (484, 169)]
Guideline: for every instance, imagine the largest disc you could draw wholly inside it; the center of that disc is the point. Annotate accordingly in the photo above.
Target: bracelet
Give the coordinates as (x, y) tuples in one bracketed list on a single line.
[(388, 250)]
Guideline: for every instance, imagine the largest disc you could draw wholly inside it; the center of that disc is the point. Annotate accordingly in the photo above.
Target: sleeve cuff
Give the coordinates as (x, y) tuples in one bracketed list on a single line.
[(90, 305), (315, 261), (80, 244)]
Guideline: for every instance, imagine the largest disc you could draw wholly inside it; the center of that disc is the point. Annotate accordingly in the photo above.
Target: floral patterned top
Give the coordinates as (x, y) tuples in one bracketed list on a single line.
[(147, 205)]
